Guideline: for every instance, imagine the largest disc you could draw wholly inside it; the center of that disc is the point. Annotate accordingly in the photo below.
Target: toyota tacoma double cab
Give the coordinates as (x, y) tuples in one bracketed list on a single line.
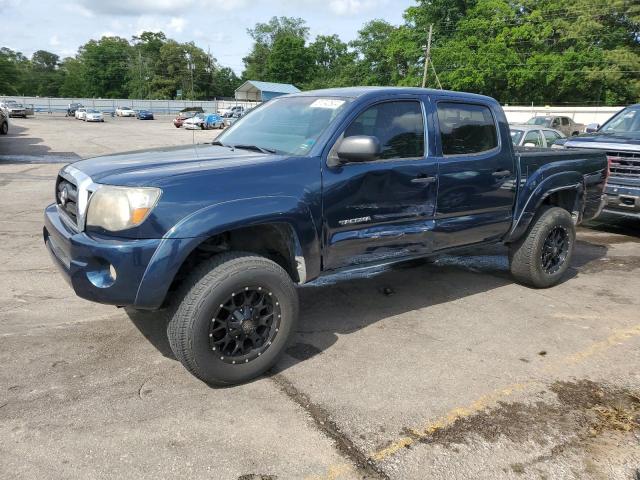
[(218, 235)]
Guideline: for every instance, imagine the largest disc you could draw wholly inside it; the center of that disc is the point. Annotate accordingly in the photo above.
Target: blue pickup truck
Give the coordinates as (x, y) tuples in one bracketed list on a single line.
[(218, 235)]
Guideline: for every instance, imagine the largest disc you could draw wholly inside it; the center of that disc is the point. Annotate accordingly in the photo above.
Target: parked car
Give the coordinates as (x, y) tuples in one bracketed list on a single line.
[(231, 111), (4, 122), (564, 124), (182, 116), (194, 123), (306, 185), (534, 136), (212, 120), (230, 120), (619, 137), (92, 115), (81, 113), (15, 109), (71, 109), (144, 115), (125, 112)]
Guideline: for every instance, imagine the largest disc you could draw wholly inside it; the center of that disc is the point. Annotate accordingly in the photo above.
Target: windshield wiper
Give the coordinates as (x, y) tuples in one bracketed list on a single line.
[(255, 148)]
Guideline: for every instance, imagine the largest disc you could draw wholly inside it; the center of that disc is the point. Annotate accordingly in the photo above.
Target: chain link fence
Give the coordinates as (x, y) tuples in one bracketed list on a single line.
[(57, 106)]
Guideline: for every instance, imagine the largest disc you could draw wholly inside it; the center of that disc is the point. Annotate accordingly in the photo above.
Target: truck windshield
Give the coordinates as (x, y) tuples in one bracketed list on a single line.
[(539, 121), (627, 121), (289, 125)]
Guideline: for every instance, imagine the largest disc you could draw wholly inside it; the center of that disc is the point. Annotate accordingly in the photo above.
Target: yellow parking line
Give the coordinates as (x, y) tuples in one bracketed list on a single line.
[(617, 337)]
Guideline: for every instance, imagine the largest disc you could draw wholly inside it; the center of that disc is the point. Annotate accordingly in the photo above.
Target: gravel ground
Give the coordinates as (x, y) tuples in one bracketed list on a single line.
[(440, 370)]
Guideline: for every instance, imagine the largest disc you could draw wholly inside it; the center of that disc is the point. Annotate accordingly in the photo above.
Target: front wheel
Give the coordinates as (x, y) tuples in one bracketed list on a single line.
[(543, 255), (232, 318), (4, 128)]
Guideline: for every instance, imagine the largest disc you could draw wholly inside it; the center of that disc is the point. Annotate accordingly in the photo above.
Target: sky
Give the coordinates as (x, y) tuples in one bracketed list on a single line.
[(61, 26)]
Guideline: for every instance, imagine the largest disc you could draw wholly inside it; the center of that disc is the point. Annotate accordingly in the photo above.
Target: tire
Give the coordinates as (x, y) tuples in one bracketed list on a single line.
[(4, 128), (197, 306), (528, 255)]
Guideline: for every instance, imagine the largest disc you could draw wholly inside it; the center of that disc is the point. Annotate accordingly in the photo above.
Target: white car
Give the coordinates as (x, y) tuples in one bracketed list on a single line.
[(81, 113), (125, 112), (194, 123), (231, 111), (93, 116)]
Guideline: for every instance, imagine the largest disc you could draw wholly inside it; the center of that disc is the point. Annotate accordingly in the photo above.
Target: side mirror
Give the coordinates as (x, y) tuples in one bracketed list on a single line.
[(592, 127), (529, 144), (359, 148)]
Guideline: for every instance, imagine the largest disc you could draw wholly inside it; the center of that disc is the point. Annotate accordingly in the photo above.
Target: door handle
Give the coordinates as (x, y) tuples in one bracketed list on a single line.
[(424, 180), (501, 173)]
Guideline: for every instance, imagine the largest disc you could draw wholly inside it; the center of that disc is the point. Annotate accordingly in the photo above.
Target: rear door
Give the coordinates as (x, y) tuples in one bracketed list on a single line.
[(476, 189), (384, 208)]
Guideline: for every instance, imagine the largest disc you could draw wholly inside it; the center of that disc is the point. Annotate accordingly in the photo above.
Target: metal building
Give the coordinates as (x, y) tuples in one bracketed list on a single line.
[(255, 91)]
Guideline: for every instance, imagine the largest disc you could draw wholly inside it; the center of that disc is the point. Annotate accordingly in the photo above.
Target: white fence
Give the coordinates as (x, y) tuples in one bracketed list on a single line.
[(515, 114), (584, 115), (49, 105)]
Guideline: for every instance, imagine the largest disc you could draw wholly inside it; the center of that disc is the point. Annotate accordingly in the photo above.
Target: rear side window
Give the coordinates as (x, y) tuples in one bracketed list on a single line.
[(466, 128), (398, 125)]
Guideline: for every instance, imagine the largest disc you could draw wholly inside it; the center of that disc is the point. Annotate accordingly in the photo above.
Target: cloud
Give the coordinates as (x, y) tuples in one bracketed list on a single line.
[(354, 7), (153, 7), (177, 24), (54, 41), (137, 7)]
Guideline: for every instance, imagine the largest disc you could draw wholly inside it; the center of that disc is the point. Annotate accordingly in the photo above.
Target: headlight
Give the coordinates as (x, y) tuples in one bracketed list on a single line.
[(119, 208)]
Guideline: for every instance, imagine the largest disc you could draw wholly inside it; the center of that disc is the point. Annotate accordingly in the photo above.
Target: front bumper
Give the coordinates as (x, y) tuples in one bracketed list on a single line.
[(85, 261), (622, 200)]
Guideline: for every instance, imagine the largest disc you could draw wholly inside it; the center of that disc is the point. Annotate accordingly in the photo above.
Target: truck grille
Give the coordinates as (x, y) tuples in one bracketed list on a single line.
[(67, 199), (624, 164)]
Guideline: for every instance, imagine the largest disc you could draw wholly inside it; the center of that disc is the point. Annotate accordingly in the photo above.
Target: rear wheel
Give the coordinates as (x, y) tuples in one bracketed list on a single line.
[(4, 128), (232, 318), (543, 255)]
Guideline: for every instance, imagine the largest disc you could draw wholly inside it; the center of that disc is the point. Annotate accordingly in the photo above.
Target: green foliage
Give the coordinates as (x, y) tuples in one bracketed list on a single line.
[(541, 51), (519, 51), (150, 66)]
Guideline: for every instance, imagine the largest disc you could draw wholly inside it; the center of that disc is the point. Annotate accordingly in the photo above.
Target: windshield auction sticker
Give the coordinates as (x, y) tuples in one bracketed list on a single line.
[(327, 103)]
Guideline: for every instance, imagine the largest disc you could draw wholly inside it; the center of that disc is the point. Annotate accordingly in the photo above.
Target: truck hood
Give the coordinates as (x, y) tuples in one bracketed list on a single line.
[(153, 167), (606, 141)]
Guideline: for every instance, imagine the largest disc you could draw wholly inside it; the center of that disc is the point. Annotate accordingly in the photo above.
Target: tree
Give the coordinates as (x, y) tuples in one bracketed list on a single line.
[(105, 67), (289, 60)]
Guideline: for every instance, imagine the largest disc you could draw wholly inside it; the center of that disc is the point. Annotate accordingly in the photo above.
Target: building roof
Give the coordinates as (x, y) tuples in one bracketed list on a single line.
[(252, 89)]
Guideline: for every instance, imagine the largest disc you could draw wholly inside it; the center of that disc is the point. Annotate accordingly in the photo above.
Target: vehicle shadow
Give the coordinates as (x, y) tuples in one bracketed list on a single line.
[(20, 147), (345, 303)]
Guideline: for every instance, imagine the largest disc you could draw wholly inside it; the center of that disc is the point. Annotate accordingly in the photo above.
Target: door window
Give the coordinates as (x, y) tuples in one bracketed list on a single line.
[(550, 136), (398, 126), (466, 128), (565, 121), (533, 137)]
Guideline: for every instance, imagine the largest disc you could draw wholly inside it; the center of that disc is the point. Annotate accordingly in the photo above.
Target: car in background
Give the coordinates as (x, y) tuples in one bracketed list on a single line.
[(183, 116), (15, 109), (144, 115), (228, 121), (195, 122), (619, 138), (564, 124), (80, 113), (125, 112), (4, 122), (92, 115), (534, 136), (212, 120), (231, 111), (71, 109)]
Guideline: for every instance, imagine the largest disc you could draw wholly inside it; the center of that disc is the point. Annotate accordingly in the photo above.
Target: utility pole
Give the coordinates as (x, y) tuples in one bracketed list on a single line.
[(427, 57)]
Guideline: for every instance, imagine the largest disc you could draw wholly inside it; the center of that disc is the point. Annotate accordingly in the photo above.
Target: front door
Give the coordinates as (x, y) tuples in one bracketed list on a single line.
[(383, 209)]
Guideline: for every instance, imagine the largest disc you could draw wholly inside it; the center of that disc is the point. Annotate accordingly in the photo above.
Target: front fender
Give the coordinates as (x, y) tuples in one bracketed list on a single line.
[(533, 194), (209, 221)]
